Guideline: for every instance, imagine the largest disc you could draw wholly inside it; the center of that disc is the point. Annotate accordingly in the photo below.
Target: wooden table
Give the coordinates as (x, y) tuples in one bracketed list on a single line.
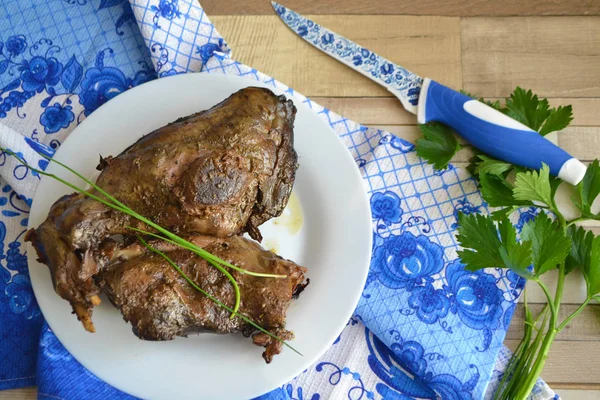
[(484, 47)]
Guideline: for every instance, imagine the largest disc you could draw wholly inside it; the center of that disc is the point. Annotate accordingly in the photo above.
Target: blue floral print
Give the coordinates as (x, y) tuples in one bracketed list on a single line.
[(40, 72), (406, 260), (475, 297), (526, 216), (16, 45), (386, 207), (464, 206), (100, 85), (45, 73), (405, 373), (429, 303), (168, 9), (210, 49), (56, 117)]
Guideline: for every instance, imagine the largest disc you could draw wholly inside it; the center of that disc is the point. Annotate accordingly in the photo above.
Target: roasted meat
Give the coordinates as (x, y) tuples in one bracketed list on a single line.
[(219, 172), (161, 304), (216, 173)]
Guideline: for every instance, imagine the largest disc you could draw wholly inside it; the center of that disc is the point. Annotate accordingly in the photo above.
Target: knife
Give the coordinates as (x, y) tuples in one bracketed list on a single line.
[(489, 130)]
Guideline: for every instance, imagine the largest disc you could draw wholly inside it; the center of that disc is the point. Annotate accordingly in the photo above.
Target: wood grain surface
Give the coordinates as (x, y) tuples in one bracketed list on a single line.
[(266, 44), (458, 8), (485, 47), (553, 56)]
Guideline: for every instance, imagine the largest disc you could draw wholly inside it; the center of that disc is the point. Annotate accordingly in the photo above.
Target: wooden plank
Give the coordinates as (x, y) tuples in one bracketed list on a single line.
[(584, 327), (389, 111), (566, 387), (269, 46), (578, 386), (19, 394), (581, 141), (423, 7), (553, 56), (570, 362), (369, 110), (578, 394)]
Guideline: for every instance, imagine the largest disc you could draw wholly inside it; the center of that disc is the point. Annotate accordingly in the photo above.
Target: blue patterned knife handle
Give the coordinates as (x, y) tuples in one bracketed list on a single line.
[(495, 133)]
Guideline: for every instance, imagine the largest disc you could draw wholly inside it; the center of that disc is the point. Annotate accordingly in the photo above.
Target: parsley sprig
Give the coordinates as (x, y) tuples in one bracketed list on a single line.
[(549, 242)]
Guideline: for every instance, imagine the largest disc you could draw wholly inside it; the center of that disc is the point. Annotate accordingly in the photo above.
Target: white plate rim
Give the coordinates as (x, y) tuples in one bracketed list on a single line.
[(152, 86)]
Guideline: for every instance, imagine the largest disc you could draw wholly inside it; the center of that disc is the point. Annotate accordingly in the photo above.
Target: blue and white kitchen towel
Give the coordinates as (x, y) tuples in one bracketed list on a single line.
[(424, 327)]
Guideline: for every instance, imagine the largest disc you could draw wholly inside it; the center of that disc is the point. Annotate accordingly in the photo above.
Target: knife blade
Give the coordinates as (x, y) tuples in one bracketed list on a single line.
[(487, 129)]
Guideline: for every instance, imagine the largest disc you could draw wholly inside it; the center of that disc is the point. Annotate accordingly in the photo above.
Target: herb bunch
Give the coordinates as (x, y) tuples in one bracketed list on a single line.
[(549, 242), (110, 201)]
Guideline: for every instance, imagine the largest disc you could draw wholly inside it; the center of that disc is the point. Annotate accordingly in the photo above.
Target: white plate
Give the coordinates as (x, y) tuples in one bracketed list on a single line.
[(334, 243)]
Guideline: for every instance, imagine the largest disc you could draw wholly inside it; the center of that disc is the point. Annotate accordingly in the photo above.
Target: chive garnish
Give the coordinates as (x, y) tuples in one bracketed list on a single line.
[(217, 301), (115, 204)]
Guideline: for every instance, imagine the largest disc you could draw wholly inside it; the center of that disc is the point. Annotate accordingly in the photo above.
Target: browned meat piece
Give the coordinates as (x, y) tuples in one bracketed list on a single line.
[(161, 304), (272, 346), (219, 172)]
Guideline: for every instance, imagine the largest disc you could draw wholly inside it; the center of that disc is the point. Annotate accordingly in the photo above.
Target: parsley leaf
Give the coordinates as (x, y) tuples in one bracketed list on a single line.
[(498, 192), (496, 104), (479, 233), (585, 254), (554, 184), (438, 145), (527, 108), (589, 187), (489, 165), (483, 247), (534, 186), (549, 243), (502, 213), (580, 248), (591, 270), (517, 257), (473, 161), (558, 120)]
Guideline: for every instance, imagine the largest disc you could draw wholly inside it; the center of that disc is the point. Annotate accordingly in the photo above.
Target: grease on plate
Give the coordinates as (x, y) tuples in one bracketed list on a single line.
[(271, 245), (292, 217)]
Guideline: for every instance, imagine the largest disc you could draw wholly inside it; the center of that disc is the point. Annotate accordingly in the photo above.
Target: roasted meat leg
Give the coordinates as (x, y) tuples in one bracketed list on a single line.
[(219, 172), (161, 304)]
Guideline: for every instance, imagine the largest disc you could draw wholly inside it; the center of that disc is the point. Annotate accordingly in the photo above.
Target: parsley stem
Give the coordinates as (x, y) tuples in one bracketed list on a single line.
[(547, 293), (532, 349), (542, 354), (542, 314), (532, 325), (575, 313), (517, 359), (576, 220), (214, 299), (559, 289), (583, 219)]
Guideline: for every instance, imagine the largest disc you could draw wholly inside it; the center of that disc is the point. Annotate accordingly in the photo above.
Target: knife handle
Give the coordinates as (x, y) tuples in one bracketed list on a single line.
[(494, 133)]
